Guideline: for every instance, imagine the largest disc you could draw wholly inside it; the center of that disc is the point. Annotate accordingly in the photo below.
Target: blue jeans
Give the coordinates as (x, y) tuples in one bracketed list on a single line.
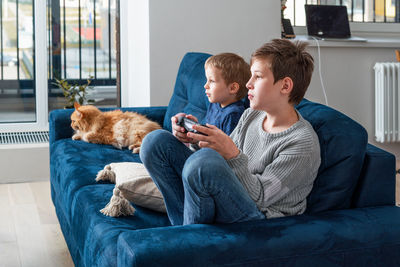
[(197, 187)]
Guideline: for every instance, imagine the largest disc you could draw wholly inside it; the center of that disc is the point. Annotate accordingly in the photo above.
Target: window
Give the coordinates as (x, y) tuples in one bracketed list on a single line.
[(44, 39), (17, 71), (374, 11), (82, 45)]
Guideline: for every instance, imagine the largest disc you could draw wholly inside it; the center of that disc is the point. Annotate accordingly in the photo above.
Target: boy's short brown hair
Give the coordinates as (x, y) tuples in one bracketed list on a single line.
[(288, 59), (233, 69)]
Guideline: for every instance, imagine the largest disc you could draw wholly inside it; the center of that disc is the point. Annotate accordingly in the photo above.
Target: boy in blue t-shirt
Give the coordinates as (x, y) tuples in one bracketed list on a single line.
[(227, 75)]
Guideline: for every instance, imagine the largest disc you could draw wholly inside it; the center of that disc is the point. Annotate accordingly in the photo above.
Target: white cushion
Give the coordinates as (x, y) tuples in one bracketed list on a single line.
[(136, 185)]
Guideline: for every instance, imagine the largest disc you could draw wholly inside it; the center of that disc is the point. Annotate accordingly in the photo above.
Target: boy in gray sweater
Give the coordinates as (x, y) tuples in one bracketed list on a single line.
[(265, 168)]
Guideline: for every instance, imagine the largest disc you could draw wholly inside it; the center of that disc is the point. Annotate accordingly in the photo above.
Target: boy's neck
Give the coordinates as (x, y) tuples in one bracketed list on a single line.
[(276, 122), (227, 103)]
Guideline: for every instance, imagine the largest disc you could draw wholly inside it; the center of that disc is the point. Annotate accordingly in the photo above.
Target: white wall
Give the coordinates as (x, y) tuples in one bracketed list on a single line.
[(176, 27), (350, 83), (161, 32), (24, 163), (212, 26)]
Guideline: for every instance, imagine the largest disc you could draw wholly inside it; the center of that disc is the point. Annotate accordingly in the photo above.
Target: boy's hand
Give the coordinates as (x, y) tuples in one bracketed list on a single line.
[(215, 139), (180, 132)]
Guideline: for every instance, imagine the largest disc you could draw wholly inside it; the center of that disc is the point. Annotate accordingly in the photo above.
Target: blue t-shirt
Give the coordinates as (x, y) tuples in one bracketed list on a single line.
[(225, 118)]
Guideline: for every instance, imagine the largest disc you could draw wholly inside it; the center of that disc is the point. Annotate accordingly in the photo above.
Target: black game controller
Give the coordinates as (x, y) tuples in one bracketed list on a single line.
[(188, 124)]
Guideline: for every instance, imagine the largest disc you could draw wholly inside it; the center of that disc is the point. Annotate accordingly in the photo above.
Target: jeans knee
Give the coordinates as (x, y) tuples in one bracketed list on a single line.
[(201, 166), (207, 158), (152, 143)]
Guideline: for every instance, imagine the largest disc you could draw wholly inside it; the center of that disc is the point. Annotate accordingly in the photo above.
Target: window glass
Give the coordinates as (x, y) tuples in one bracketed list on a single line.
[(17, 71)]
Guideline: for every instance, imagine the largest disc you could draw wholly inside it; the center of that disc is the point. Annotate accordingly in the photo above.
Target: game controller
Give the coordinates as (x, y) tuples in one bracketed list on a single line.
[(188, 124)]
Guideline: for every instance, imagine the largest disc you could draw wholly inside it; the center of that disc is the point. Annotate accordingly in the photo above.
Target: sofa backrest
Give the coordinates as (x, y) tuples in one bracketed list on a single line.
[(343, 144), (189, 94)]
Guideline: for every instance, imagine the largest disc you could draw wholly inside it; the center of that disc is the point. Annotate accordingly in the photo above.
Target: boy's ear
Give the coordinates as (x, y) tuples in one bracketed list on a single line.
[(234, 88), (287, 85)]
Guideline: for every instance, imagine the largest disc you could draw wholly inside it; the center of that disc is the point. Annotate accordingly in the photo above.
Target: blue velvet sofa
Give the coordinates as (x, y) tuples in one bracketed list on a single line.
[(351, 217)]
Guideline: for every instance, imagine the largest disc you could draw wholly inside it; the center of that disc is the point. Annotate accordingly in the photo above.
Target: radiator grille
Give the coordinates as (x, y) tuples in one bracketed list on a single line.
[(387, 99), (24, 138)]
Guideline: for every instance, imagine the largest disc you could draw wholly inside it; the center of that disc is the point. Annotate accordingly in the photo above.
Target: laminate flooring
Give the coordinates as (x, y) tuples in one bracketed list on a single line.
[(29, 231)]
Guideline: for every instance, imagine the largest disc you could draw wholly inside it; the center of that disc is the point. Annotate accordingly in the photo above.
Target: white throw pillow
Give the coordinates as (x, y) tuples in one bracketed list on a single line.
[(133, 183)]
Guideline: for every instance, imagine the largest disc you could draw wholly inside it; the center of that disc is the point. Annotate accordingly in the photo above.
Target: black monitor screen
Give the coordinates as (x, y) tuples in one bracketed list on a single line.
[(327, 21)]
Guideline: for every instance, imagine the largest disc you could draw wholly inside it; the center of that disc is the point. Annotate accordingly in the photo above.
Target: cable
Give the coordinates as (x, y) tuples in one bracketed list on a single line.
[(319, 70)]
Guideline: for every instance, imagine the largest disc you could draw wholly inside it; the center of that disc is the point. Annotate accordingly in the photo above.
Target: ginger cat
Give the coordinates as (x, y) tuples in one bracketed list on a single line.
[(117, 128)]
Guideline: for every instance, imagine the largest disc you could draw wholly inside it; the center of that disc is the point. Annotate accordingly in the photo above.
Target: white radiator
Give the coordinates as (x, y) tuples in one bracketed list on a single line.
[(387, 100)]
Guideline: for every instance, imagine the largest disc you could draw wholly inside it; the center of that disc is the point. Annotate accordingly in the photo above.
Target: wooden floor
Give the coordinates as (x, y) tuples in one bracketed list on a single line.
[(29, 231)]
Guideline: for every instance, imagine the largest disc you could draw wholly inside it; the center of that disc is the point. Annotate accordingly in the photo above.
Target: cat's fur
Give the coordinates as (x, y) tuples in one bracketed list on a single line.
[(117, 128)]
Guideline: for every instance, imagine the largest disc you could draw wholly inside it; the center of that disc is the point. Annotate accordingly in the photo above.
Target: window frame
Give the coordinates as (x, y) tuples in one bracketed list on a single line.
[(40, 54)]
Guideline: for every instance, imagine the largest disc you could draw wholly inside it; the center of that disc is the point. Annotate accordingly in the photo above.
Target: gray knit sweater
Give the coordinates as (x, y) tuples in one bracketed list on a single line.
[(277, 170)]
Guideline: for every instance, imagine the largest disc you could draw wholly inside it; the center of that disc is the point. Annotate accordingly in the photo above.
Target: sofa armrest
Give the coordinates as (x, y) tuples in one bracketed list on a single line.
[(60, 122), (377, 183), (339, 236)]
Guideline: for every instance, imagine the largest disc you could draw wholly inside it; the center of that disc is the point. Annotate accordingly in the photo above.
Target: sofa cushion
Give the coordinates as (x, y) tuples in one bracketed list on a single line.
[(92, 236), (343, 145), (377, 183), (95, 234), (75, 165), (357, 237), (188, 95)]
